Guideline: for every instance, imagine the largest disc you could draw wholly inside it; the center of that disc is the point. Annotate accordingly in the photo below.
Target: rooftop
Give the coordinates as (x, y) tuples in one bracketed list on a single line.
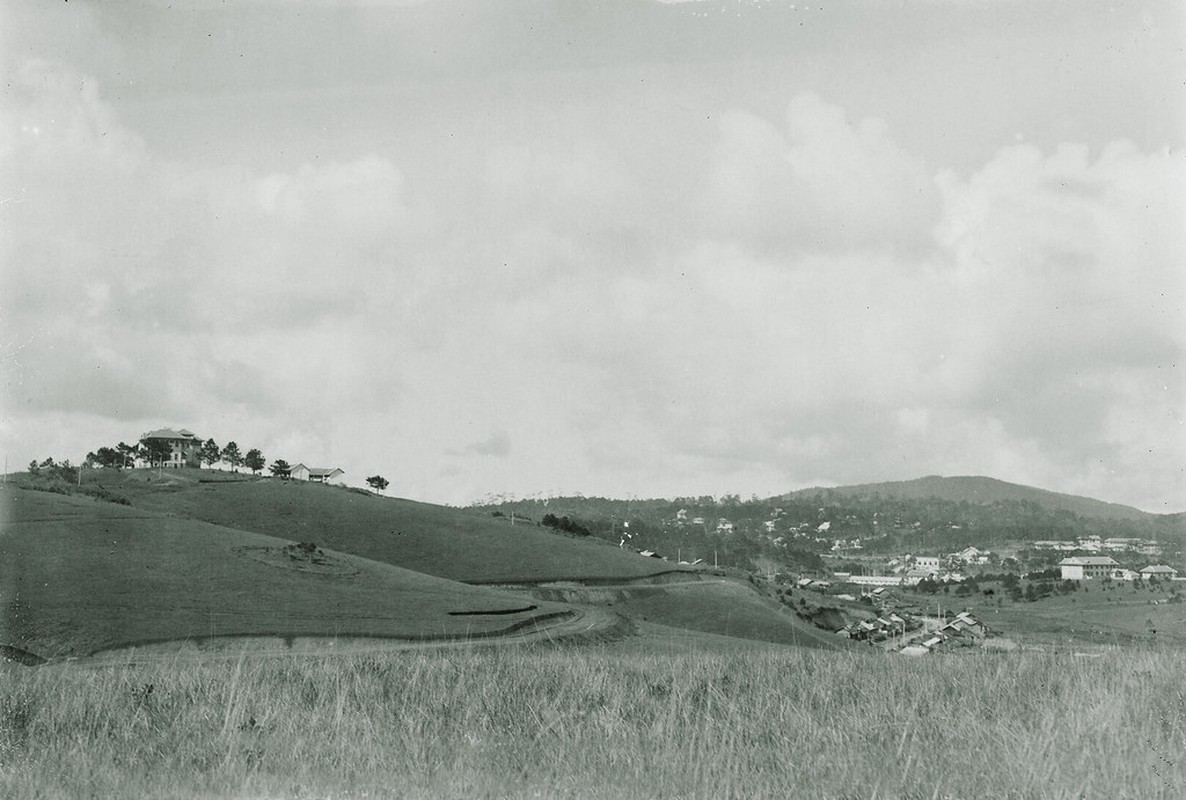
[(169, 433), (1088, 561)]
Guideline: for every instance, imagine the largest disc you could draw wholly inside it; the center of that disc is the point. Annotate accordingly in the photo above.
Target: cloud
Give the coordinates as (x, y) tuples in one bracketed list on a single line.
[(818, 305), (497, 445), (818, 181)]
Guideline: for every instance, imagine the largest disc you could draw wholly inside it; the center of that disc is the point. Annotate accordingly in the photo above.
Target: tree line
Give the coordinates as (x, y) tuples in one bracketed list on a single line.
[(156, 452)]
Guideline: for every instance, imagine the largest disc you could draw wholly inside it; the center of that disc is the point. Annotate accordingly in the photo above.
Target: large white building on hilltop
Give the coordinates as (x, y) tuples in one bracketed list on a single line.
[(185, 447)]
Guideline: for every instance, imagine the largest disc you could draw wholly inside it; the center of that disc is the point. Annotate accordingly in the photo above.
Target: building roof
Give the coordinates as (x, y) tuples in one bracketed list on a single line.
[(168, 433), (1159, 569), (1088, 561), (323, 471)]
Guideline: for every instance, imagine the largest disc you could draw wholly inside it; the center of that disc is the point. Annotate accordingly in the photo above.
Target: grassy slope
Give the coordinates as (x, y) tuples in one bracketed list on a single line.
[(451, 543), (78, 575), (976, 489), (1119, 616), (718, 607), (464, 545)]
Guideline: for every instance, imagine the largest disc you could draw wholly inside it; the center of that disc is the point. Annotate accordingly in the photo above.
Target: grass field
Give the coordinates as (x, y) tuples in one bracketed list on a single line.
[(78, 575), (451, 543), (581, 723), (1117, 615)]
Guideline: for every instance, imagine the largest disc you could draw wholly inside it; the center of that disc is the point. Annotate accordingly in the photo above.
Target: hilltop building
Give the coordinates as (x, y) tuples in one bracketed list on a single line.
[(300, 472), (185, 446), (1159, 571)]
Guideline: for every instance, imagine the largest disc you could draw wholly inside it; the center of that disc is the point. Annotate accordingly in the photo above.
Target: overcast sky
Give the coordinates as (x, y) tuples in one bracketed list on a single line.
[(617, 248)]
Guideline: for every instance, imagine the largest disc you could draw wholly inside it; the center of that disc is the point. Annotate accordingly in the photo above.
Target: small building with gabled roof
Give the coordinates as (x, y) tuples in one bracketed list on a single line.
[(1159, 571), (300, 472)]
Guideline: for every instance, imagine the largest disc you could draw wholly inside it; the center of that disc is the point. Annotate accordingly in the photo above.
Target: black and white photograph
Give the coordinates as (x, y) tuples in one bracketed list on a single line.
[(593, 399)]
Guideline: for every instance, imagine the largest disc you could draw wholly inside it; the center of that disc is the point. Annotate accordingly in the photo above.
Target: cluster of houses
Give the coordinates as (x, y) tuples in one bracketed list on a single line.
[(1080, 568), (925, 635), (964, 630), (185, 450), (879, 629), (1097, 544), (909, 570)]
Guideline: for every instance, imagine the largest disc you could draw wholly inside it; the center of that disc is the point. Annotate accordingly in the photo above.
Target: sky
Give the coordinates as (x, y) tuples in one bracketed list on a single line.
[(621, 248)]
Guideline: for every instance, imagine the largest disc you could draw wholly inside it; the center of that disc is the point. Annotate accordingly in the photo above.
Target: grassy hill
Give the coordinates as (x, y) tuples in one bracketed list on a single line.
[(981, 490), (468, 546), (79, 575), (716, 606), (188, 554)]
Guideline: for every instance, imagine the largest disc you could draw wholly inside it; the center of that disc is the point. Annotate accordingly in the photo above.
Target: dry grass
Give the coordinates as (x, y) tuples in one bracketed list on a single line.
[(584, 723)]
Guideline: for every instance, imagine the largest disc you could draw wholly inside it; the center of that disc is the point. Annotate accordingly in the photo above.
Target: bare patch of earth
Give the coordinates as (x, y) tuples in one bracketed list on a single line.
[(301, 558)]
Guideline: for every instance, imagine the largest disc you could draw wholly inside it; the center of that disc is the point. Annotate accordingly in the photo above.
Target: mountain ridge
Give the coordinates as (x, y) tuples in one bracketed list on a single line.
[(982, 489)]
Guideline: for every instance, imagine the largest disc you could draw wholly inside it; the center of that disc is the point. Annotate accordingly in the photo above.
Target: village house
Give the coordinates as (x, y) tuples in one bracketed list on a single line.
[(1079, 568), (184, 447), (1159, 571), (970, 555)]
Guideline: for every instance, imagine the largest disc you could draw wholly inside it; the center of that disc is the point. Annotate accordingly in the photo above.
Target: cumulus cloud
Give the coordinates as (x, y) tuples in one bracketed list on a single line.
[(818, 181), (147, 290), (497, 445), (825, 307)]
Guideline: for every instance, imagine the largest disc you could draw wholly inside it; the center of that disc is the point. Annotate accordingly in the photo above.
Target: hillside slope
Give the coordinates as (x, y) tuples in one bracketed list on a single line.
[(451, 543), (79, 575), (714, 606), (981, 490)]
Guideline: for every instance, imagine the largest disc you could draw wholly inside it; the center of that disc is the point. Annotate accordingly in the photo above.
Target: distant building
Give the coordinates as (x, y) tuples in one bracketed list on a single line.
[(300, 472), (875, 580), (185, 446), (928, 564), (1078, 568), (1159, 571)]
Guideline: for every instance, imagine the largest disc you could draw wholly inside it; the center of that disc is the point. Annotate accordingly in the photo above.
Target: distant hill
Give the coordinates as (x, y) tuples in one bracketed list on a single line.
[(982, 491)]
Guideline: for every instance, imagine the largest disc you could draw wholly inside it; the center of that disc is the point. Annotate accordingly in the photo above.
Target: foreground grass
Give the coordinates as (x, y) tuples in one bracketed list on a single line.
[(579, 723)]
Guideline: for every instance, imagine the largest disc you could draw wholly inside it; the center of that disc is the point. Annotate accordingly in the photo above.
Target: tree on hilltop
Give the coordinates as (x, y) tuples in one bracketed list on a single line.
[(280, 468), (104, 457), (378, 482), (255, 460), (232, 456), (157, 451), (210, 453), (128, 452)]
